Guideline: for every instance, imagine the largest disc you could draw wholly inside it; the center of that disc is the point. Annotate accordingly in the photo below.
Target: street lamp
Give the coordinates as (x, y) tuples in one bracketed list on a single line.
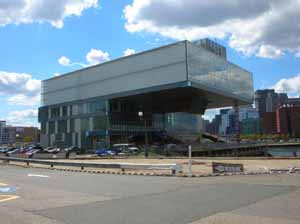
[(141, 116)]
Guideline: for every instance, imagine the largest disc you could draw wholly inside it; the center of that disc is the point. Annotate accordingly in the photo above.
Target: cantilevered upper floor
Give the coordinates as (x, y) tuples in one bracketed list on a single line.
[(180, 68)]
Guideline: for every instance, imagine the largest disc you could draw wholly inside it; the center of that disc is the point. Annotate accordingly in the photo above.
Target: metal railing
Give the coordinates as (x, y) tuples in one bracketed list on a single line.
[(122, 166)]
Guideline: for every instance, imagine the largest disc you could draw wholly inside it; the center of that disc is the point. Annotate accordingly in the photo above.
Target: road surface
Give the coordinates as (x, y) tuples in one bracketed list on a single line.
[(31, 195)]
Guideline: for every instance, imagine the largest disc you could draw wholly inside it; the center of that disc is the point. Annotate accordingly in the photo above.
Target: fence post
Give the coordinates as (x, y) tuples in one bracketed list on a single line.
[(190, 161), (173, 172)]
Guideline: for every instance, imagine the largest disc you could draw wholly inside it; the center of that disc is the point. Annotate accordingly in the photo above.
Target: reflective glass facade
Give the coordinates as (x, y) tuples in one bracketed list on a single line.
[(217, 74)]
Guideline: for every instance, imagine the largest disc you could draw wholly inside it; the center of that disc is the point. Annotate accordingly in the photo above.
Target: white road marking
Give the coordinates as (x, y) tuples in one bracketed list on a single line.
[(37, 175)]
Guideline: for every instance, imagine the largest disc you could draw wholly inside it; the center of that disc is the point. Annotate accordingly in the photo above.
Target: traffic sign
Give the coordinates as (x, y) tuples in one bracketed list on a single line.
[(227, 167)]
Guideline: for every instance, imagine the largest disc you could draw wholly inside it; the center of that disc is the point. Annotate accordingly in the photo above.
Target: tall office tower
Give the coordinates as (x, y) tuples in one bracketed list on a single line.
[(268, 100)]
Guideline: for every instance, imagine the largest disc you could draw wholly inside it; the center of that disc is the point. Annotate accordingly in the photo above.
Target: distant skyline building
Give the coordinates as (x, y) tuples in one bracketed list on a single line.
[(274, 113), (267, 100), (294, 101), (225, 123), (2, 126), (268, 121), (11, 134), (288, 120)]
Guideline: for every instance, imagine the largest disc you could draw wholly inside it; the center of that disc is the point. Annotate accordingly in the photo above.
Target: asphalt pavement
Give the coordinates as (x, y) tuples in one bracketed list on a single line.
[(29, 196)]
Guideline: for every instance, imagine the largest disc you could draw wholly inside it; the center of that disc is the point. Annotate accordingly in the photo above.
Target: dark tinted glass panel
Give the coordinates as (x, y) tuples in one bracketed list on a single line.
[(99, 122), (62, 126), (51, 127), (95, 107), (54, 112)]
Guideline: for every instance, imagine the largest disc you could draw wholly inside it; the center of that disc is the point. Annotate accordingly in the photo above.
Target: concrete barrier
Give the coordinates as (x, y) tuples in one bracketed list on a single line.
[(123, 166), (60, 155)]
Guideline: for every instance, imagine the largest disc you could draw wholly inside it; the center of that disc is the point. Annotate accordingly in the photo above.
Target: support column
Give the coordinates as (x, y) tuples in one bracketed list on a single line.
[(237, 121), (56, 127), (61, 111), (68, 126), (107, 124)]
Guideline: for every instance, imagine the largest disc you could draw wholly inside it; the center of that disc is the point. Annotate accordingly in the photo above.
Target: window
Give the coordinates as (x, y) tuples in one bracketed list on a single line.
[(51, 127), (62, 126), (43, 114), (71, 111), (80, 109), (65, 111), (54, 112), (84, 124), (115, 106), (95, 107), (99, 122), (72, 125), (74, 110), (43, 127)]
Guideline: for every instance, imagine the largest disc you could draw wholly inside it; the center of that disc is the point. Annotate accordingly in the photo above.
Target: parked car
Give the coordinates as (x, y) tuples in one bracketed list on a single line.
[(52, 150), (13, 151), (105, 152), (125, 149), (30, 153), (3, 149), (70, 150)]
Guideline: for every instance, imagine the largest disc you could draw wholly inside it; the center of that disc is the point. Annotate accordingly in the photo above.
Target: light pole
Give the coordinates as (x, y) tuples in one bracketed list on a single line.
[(141, 115)]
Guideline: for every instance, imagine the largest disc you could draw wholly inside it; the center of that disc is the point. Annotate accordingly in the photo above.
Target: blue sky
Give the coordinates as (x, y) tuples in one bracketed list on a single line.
[(33, 42)]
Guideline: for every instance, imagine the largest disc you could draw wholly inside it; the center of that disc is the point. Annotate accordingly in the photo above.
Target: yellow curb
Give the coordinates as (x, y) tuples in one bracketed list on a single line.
[(4, 198)]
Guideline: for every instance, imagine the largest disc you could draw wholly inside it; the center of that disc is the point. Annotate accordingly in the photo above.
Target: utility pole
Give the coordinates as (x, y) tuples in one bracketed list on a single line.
[(142, 116)]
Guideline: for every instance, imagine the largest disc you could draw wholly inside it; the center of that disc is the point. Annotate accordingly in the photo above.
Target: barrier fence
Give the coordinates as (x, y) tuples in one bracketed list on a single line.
[(122, 166)]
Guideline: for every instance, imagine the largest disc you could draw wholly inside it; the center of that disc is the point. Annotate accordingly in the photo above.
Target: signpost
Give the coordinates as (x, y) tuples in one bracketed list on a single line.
[(227, 168), (190, 161)]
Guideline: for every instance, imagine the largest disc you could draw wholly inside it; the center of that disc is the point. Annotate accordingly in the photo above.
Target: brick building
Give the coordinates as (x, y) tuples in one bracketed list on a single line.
[(288, 120), (269, 124)]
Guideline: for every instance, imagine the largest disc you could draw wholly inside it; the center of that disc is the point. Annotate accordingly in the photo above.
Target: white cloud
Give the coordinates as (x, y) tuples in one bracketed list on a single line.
[(95, 56), (289, 85), (266, 28), (266, 51), (128, 52), (24, 100), (56, 74), (23, 117), (40, 11), (20, 88), (64, 61)]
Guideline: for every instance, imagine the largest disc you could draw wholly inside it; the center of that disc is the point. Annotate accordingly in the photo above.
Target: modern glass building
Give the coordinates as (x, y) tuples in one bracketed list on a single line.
[(99, 105)]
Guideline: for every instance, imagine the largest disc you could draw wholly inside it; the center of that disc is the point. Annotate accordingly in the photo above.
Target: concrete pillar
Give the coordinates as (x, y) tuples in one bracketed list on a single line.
[(56, 127), (60, 111), (91, 123), (69, 110), (68, 126), (237, 120), (47, 128), (49, 113), (78, 131), (74, 138)]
